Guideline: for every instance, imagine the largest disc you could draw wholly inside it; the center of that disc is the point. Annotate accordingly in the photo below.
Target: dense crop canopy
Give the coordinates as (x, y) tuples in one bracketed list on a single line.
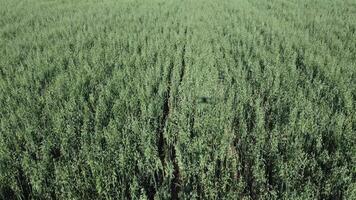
[(166, 99)]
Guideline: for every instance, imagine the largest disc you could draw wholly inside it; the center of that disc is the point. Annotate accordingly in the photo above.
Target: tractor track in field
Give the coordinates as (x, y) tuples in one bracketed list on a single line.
[(162, 144), (24, 183), (183, 64), (165, 113), (161, 141), (176, 182)]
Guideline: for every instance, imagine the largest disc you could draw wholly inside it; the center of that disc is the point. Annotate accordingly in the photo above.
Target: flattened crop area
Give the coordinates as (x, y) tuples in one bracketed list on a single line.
[(165, 99)]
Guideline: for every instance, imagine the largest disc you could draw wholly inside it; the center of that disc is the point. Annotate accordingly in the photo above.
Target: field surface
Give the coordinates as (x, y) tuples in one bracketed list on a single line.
[(168, 99)]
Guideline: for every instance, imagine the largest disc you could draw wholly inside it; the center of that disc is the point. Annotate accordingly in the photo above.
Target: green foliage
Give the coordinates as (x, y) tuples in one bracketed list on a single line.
[(187, 99)]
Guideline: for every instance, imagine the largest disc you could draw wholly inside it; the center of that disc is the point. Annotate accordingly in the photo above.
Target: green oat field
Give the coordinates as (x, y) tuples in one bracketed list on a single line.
[(178, 99)]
